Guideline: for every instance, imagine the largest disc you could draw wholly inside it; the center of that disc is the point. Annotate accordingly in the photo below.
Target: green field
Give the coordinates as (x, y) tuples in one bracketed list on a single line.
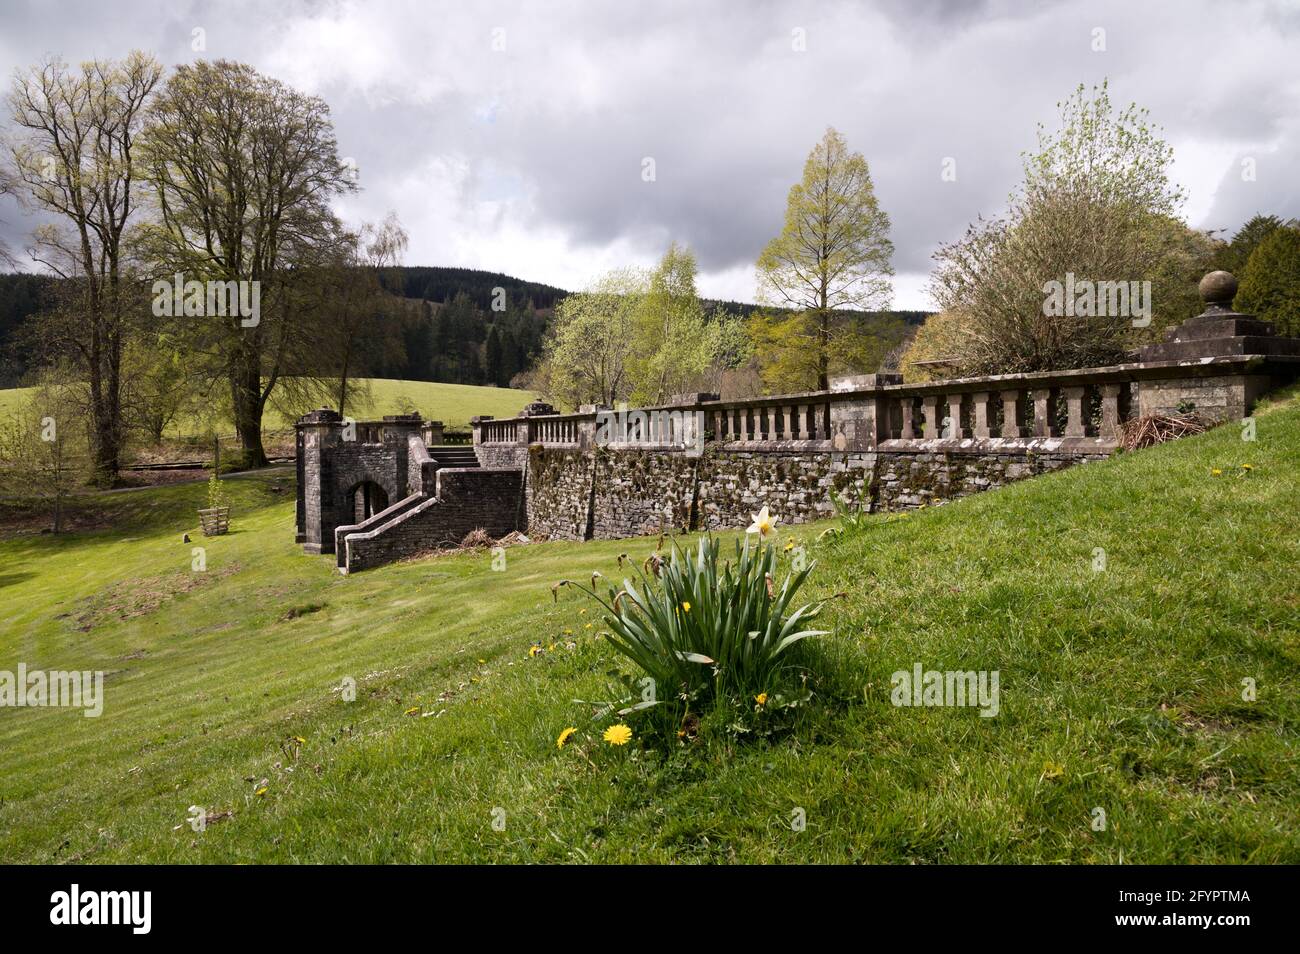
[(453, 404), (1121, 689)]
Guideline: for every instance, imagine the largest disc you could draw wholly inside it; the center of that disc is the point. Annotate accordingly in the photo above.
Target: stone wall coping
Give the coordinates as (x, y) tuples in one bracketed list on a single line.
[(1120, 373)]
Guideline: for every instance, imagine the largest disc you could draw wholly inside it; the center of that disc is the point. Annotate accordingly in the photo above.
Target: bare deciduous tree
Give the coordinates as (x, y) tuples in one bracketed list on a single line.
[(74, 157)]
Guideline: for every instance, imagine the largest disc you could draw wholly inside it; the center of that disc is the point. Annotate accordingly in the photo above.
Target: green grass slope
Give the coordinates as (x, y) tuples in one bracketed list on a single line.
[(1121, 689)]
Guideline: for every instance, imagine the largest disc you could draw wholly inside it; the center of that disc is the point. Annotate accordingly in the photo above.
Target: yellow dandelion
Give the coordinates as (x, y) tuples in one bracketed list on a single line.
[(534, 650), (587, 626), (260, 792), (618, 734), (1247, 466), (761, 698), (686, 606), (1215, 472), (563, 740), (412, 711)]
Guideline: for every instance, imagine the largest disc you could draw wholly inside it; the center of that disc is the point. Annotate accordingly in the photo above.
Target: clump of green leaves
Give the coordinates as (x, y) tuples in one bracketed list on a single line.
[(216, 492), (699, 626)]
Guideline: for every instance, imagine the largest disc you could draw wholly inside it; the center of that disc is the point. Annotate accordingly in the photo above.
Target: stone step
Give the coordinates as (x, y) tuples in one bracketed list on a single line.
[(454, 455)]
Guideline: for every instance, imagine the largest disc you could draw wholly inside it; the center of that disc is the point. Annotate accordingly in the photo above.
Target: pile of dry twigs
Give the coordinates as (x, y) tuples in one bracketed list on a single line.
[(1158, 428)]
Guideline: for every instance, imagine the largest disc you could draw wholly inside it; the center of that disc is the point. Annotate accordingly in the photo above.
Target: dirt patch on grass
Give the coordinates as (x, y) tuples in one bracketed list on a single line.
[(131, 599)]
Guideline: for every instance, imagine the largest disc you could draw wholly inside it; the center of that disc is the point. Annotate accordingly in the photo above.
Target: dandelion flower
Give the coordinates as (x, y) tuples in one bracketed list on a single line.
[(618, 734), (761, 698), (764, 523), (1247, 466), (686, 606), (1215, 472), (260, 792), (412, 711), (534, 650), (789, 545), (563, 740)]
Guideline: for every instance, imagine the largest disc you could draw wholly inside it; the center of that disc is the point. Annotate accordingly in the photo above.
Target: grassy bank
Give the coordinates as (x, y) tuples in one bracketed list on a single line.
[(1121, 689)]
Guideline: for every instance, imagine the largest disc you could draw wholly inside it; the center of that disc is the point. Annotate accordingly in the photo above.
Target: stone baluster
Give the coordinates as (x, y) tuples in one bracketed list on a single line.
[(980, 414), (772, 433), (1111, 412), (955, 430), (931, 403), (1013, 418), (1044, 426), (1075, 425), (907, 430)]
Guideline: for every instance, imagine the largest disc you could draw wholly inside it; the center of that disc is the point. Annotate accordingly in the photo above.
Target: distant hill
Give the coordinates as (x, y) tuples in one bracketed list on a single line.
[(449, 332)]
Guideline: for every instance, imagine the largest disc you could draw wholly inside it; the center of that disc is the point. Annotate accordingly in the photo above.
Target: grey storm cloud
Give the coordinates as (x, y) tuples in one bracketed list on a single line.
[(512, 136)]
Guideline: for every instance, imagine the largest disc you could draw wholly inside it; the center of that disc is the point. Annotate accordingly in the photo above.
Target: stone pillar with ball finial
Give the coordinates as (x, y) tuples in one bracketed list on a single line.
[(1217, 364)]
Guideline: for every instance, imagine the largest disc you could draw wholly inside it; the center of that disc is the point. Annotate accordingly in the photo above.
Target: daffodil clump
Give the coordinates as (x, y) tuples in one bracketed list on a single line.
[(699, 625)]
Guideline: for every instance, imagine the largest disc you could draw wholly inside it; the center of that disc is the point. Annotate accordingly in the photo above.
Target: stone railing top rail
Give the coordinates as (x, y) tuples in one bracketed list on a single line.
[(887, 386)]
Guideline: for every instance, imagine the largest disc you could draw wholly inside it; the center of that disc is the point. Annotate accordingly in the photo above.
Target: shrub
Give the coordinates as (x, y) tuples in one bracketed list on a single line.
[(705, 629)]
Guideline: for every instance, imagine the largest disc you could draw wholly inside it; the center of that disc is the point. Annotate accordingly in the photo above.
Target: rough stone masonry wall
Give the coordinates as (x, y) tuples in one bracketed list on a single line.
[(623, 493), (904, 481), (797, 487), (558, 492), (641, 492)]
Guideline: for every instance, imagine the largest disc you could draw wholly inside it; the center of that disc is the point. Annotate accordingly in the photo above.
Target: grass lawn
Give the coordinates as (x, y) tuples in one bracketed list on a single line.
[(453, 404), (1121, 689)]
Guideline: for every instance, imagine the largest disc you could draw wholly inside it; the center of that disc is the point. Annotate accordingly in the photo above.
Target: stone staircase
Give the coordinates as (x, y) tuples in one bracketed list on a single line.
[(454, 455)]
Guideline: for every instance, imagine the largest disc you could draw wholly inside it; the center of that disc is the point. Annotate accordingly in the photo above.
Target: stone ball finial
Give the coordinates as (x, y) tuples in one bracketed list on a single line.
[(1219, 288)]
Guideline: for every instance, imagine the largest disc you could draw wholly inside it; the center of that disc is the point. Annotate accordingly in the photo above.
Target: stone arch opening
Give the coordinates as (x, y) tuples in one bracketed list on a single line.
[(366, 499)]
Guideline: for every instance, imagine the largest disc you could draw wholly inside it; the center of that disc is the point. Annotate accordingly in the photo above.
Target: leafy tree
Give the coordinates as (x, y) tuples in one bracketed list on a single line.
[(1233, 256), (935, 351), (1096, 202), (673, 344), (586, 358), (40, 450), (75, 158), (1270, 282), (243, 169), (833, 253)]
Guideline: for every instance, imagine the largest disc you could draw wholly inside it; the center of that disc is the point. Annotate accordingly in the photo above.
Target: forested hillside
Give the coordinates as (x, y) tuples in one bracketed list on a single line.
[(440, 325)]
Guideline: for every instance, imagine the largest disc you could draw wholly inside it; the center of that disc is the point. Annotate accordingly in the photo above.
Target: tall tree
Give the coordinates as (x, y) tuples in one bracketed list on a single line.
[(1233, 256), (1270, 282), (673, 344), (833, 252), (586, 357), (75, 157), (243, 169), (366, 257)]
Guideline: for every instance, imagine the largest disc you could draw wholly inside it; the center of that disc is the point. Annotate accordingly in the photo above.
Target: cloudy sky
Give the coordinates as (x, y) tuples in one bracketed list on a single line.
[(512, 136)]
